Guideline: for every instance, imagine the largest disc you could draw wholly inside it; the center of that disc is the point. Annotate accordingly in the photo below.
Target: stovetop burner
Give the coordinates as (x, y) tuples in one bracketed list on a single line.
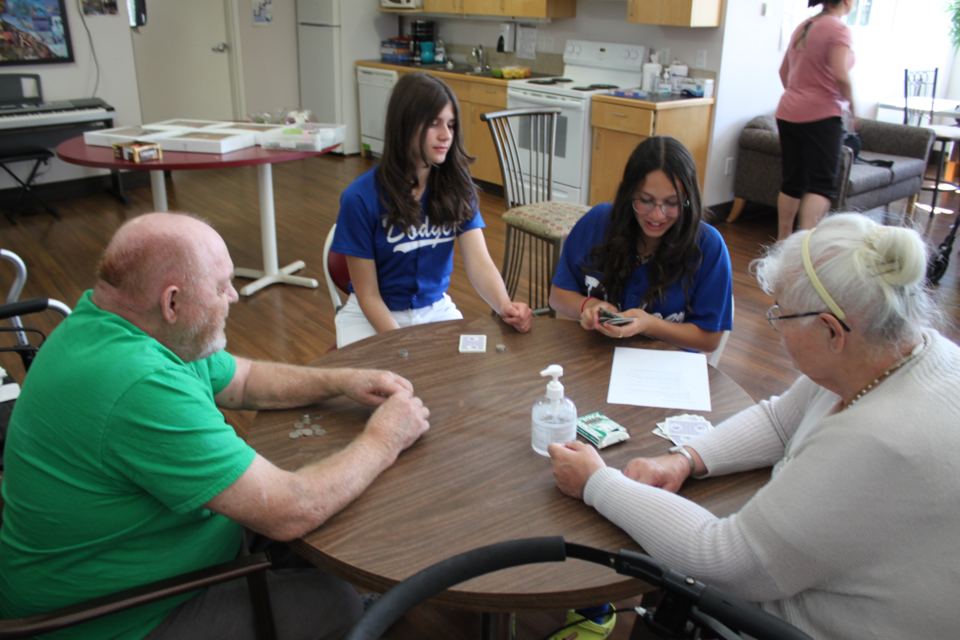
[(550, 81)]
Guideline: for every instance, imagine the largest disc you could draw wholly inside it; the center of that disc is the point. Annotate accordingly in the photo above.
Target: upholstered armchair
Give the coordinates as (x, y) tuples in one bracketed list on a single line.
[(861, 186)]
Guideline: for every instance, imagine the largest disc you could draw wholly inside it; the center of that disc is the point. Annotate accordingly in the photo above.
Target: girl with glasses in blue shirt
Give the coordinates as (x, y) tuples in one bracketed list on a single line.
[(649, 256)]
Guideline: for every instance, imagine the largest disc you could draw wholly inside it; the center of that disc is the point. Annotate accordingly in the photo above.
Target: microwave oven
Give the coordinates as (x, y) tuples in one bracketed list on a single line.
[(402, 4)]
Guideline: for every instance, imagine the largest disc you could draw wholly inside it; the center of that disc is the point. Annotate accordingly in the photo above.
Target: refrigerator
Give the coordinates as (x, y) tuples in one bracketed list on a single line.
[(332, 35)]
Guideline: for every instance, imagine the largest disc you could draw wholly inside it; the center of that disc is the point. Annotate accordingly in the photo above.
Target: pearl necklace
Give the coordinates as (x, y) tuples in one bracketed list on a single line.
[(883, 376)]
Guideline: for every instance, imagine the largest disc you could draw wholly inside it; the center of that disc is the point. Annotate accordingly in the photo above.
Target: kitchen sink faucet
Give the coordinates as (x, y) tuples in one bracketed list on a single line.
[(478, 54)]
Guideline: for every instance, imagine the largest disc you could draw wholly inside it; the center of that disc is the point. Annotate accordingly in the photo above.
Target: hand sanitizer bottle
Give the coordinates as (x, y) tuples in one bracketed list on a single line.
[(554, 416)]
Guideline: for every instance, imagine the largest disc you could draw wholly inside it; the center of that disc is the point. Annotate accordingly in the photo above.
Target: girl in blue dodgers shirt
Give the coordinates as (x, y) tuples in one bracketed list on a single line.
[(650, 256), (398, 221)]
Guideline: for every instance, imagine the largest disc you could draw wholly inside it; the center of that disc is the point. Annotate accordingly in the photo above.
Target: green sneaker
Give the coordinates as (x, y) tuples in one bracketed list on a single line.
[(586, 629)]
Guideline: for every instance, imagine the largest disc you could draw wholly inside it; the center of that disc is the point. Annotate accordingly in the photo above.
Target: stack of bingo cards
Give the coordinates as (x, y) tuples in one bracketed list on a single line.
[(682, 429)]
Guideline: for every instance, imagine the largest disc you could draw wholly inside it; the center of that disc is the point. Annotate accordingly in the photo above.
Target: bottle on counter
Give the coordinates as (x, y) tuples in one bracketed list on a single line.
[(677, 70), (439, 53), (554, 416), (651, 74)]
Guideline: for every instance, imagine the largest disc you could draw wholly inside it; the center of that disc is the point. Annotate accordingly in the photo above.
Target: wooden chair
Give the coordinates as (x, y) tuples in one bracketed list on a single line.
[(916, 86), (535, 225)]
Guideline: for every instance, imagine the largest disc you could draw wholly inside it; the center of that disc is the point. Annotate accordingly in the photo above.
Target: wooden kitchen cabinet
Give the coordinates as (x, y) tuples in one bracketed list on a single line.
[(676, 13), (620, 124), (506, 8)]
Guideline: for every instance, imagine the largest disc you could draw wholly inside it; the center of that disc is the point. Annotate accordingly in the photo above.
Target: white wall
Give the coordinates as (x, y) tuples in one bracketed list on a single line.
[(748, 85), (117, 86), (269, 58)]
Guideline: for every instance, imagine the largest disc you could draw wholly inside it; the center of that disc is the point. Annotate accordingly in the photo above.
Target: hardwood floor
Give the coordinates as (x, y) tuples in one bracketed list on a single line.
[(295, 325)]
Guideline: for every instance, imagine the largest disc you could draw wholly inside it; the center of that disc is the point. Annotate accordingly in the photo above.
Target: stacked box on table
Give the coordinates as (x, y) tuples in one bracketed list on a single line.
[(188, 123), (207, 141), (258, 130), (107, 137), (309, 136)]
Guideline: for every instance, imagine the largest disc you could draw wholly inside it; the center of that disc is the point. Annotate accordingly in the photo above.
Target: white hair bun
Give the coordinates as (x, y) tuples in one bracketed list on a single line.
[(895, 254)]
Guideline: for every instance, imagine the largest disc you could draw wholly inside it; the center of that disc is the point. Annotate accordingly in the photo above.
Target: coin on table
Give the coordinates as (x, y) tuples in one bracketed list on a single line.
[(501, 348), (294, 435), (318, 431), (298, 425), (306, 432), (403, 353)]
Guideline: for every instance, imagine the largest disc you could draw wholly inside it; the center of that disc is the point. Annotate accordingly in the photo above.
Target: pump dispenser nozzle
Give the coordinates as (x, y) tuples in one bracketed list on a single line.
[(554, 388)]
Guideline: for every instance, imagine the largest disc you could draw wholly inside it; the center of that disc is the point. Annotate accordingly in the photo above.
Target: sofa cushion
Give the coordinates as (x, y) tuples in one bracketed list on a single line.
[(865, 177), (903, 167)]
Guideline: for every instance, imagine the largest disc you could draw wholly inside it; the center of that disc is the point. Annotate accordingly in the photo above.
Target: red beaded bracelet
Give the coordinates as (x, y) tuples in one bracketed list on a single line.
[(585, 303)]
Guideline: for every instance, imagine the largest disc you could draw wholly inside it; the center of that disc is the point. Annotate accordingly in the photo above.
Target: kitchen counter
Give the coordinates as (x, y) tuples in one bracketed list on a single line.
[(655, 102), (442, 73)]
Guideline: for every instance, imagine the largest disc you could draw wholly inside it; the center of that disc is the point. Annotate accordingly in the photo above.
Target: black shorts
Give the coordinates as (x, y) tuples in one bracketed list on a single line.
[(811, 156)]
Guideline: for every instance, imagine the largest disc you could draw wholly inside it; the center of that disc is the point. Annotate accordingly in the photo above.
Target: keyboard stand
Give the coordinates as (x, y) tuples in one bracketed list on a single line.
[(38, 156)]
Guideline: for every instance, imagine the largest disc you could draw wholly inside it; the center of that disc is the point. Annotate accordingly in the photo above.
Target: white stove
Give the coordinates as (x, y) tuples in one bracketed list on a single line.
[(589, 68)]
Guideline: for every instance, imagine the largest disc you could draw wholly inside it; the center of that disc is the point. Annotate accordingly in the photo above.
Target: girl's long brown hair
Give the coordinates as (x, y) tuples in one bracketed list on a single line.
[(417, 100), (677, 256)]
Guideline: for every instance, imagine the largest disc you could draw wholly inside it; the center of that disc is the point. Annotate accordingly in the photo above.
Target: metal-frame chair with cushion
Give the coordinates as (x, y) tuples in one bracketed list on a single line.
[(918, 85), (860, 186), (335, 270), (536, 226)]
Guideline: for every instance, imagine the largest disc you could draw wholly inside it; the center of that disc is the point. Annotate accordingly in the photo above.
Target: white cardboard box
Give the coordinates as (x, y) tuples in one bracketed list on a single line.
[(259, 131), (207, 141), (187, 123), (106, 137), (310, 136)]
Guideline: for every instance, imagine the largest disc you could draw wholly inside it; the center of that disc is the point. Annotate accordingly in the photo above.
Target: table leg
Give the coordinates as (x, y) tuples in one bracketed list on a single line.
[(498, 626), (159, 189), (271, 273)]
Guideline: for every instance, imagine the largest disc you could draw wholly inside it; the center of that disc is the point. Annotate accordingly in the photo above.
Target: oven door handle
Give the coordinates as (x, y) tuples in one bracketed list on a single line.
[(573, 105)]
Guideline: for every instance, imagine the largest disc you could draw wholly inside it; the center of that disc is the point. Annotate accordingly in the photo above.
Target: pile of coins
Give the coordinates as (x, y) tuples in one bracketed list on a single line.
[(305, 427)]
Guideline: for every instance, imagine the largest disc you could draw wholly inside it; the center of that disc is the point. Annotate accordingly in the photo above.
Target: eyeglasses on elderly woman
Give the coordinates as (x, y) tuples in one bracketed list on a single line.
[(774, 317)]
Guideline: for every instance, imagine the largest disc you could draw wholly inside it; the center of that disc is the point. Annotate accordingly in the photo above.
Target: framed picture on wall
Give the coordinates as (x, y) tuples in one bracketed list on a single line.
[(34, 32)]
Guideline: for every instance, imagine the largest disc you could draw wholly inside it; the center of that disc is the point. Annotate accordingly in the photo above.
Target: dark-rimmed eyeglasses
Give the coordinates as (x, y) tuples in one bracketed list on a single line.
[(644, 206), (774, 317)]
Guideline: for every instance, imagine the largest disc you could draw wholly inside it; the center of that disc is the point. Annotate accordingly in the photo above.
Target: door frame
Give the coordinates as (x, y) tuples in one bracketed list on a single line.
[(231, 12)]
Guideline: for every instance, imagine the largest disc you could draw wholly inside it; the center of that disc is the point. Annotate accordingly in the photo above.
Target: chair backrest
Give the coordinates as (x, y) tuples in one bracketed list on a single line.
[(336, 271), (525, 140), (918, 85), (714, 358)]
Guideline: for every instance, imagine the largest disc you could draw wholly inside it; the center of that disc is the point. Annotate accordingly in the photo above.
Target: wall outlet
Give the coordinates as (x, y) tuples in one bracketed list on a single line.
[(701, 58), (728, 167)]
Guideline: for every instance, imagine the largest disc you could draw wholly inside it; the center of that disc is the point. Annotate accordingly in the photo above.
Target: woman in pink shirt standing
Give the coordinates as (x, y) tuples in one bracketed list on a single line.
[(815, 74)]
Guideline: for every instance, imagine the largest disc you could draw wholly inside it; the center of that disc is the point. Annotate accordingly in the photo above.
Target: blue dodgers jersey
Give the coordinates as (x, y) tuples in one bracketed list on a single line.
[(413, 265), (710, 294)]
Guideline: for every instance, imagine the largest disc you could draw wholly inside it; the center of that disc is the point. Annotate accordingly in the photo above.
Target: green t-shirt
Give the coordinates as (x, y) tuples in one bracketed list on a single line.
[(114, 447)]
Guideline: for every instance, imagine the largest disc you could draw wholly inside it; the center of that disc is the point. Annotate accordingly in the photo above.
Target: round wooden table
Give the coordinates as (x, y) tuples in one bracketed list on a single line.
[(474, 479), (75, 151)]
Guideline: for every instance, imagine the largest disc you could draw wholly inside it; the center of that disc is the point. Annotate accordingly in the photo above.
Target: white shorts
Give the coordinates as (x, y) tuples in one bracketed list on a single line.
[(353, 326)]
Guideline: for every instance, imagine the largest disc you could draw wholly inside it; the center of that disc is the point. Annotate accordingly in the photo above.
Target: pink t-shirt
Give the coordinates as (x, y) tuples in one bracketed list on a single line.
[(811, 88)]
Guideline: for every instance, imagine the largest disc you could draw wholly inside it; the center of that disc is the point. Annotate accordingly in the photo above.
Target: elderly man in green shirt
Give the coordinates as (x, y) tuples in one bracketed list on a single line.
[(120, 470)]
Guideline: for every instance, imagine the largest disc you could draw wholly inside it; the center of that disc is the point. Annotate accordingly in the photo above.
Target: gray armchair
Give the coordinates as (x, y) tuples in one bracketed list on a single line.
[(861, 186)]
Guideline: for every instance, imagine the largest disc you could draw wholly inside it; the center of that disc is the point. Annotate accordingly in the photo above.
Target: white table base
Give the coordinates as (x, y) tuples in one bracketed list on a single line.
[(271, 273)]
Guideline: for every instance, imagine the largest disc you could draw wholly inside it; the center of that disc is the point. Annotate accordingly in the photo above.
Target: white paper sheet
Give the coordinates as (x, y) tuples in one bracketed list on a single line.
[(654, 378)]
